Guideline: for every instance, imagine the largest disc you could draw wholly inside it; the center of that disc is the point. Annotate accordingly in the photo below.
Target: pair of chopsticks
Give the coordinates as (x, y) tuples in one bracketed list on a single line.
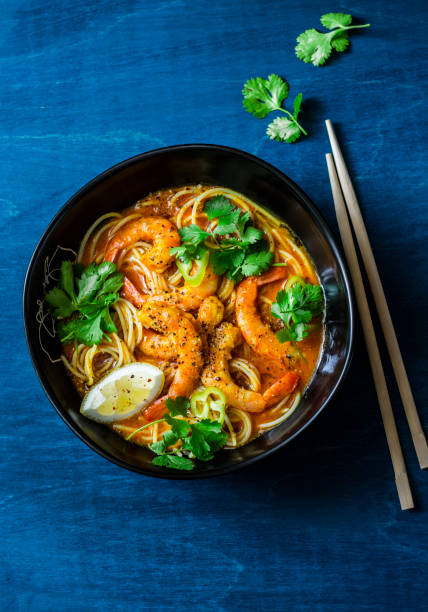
[(343, 191)]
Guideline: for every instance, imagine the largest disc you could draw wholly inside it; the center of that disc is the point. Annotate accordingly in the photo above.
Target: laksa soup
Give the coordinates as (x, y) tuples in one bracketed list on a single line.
[(190, 322)]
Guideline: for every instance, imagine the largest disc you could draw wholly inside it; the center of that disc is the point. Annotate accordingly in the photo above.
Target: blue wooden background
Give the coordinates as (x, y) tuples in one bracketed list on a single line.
[(317, 526)]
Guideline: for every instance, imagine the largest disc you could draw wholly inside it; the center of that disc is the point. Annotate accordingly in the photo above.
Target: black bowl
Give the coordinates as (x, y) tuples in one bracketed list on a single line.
[(120, 187)]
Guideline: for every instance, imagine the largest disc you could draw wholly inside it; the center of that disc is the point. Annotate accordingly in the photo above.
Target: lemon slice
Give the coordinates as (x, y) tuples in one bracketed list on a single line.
[(123, 392)]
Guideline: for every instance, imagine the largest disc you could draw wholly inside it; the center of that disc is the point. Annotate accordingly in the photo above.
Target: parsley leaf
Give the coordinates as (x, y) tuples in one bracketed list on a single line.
[(316, 47), (97, 289), (178, 406), (295, 307)]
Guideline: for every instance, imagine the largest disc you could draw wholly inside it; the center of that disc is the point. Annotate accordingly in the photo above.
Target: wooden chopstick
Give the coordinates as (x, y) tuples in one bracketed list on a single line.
[(410, 409), (401, 480)]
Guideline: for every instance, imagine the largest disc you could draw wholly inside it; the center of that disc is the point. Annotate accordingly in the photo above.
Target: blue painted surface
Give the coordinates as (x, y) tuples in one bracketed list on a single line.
[(317, 526)]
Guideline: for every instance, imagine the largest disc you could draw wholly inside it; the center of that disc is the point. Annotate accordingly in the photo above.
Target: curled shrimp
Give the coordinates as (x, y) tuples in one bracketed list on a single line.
[(217, 374), (160, 232), (210, 313), (188, 297), (257, 334), (162, 345), (181, 331)]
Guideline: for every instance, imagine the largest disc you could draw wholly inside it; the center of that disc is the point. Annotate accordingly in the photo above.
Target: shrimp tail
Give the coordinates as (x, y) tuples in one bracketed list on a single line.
[(282, 387)]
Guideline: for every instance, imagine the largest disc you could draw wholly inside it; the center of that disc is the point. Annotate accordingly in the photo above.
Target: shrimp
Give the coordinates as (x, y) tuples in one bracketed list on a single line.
[(172, 323), (257, 334), (188, 297), (210, 313), (161, 232), (159, 345), (217, 374)]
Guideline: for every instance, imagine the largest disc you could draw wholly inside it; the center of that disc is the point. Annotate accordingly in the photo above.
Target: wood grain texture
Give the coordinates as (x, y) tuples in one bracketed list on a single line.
[(398, 463), (316, 526), (353, 208)]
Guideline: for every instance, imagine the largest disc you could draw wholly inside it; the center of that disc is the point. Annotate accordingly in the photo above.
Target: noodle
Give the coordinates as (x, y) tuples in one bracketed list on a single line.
[(184, 206)]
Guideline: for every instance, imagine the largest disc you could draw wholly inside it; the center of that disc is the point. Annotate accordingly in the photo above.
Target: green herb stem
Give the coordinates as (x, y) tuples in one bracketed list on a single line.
[(144, 427), (293, 119)]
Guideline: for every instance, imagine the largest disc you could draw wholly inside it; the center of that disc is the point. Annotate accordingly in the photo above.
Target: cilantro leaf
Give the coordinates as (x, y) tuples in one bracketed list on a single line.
[(98, 287), (112, 284), (60, 302), (340, 42), (316, 47), (296, 105), (197, 445), (261, 96), (335, 20), (227, 260), (218, 206), (206, 438), (256, 263), (178, 406), (228, 215), (107, 324), (67, 279), (169, 438), (193, 246), (296, 307), (179, 426), (84, 331), (251, 235), (243, 221), (92, 278), (313, 47), (174, 461), (283, 129), (193, 234)]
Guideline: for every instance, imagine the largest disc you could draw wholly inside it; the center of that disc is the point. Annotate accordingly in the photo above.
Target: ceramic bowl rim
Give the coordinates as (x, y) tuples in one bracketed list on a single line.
[(303, 199)]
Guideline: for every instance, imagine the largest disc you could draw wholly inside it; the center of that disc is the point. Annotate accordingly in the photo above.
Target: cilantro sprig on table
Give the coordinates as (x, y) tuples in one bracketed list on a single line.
[(316, 47), (262, 96), (246, 255), (296, 307), (199, 440), (85, 295)]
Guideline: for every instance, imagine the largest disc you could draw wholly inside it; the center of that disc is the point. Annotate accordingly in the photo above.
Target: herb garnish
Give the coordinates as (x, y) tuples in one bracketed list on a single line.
[(199, 440), (316, 47), (262, 96), (247, 255), (85, 294), (295, 307)]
